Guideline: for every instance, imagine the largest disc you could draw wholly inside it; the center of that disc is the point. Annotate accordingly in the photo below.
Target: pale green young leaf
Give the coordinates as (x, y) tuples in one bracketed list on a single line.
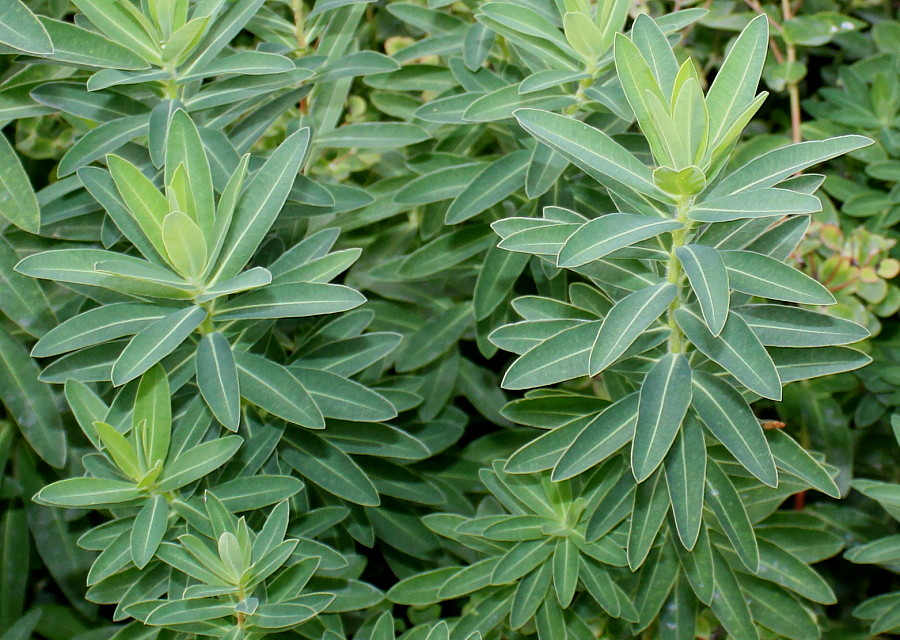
[(736, 82), (126, 27), (152, 406), (147, 205), (182, 240), (184, 147)]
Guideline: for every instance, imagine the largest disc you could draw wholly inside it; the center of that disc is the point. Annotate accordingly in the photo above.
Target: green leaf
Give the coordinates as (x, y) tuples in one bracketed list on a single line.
[(706, 272), (651, 504), (627, 321), (422, 588), (758, 275), (128, 28), (373, 135), (494, 183), (802, 364), (685, 471), (295, 300), (184, 147), (18, 204), (522, 558), (772, 167), (591, 150), (30, 403), (723, 500), (155, 342), (181, 239), (760, 203), (148, 530), (736, 349), (259, 205), (601, 236), (566, 561), (434, 338), (530, 594), (24, 300), (665, 396), (729, 603), (198, 462), (785, 569), (794, 459), (20, 29), (783, 326), (342, 398), (76, 45), (217, 379), (272, 387), (152, 406), (561, 357), (102, 140), (736, 82), (600, 438), (87, 492), (445, 251), (325, 465), (499, 271), (728, 417)]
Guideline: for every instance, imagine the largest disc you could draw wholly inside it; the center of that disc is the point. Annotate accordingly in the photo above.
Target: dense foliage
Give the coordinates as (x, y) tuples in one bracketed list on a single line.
[(449, 320)]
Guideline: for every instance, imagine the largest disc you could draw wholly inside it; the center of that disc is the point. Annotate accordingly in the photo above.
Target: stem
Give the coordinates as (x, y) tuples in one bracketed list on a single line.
[(792, 87), (299, 26), (677, 342)]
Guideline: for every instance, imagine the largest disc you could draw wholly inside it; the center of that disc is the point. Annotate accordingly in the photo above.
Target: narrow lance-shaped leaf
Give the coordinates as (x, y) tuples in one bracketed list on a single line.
[(728, 417), (600, 237), (706, 272), (217, 379), (627, 320), (665, 396), (736, 349), (593, 151), (685, 468)]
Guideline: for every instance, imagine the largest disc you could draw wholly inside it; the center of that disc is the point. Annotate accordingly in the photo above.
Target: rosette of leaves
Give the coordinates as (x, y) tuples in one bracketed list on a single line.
[(463, 74), (535, 562), (670, 313), (194, 302), (170, 538)]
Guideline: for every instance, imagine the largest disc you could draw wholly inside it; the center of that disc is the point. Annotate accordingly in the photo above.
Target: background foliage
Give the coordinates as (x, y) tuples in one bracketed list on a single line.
[(449, 320)]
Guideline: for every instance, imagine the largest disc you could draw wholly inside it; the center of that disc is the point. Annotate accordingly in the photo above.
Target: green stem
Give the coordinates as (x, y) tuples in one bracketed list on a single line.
[(677, 342)]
